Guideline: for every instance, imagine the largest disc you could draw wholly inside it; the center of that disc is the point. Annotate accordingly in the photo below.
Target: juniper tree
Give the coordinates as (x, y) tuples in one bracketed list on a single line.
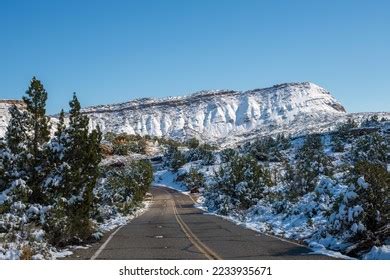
[(243, 180), (310, 163), (194, 180), (337, 144), (343, 131), (373, 148), (362, 214)]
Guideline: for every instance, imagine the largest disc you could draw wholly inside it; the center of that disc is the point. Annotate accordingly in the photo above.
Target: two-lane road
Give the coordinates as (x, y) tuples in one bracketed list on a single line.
[(173, 229)]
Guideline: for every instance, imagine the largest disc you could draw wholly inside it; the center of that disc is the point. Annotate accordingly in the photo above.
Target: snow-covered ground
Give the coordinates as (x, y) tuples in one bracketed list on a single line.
[(166, 178), (378, 253)]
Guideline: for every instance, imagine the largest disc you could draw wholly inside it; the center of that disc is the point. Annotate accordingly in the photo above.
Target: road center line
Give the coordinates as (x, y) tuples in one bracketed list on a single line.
[(210, 254)]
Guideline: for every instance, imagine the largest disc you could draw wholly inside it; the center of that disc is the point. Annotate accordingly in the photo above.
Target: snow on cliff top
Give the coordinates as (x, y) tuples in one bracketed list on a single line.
[(217, 115)]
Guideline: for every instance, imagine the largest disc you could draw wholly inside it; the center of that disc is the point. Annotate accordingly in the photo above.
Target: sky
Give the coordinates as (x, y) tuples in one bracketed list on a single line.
[(115, 51)]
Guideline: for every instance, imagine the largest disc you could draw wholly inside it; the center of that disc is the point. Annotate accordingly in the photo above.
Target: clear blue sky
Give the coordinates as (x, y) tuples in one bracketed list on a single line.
[(113, 51)]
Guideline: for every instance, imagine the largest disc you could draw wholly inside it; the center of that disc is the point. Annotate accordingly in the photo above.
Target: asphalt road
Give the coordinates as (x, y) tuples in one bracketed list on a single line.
[(173, 229)]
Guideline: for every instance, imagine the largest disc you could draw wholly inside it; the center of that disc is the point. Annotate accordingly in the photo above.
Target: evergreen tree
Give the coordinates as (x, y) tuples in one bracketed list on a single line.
[(373, 148), (37, 135), (4, 162), (83, 156), (193, 143), (343, 131), (227, 155), (194, 180), (337, 144), (17, 130), (15, 155), (362, 215), (77, 159), (36, 107), (177, 160), (243, 181), (311, 162)]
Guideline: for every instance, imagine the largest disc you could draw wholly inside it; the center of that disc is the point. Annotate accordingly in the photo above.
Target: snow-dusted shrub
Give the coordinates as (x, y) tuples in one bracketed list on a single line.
[(240, 183), (201, 152), (122, 188), (194, 180), (227, 155), (372, 148), (362, 215), (343, 131), (311, 162), (266, 149), (174, 158)]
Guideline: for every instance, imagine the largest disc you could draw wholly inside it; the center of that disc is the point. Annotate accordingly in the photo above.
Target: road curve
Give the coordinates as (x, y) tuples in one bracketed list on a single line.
[(173, 229)]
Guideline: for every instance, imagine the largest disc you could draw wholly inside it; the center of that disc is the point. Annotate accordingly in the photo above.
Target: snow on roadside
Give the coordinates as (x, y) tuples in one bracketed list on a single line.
[(166, 178), (378, 253), (120, 220)]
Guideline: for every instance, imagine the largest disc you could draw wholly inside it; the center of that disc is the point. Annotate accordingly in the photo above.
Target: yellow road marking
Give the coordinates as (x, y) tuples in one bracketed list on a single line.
[(210, 254)]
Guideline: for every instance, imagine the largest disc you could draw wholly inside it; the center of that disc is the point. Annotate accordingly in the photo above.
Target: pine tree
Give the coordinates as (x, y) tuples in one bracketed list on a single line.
[(4, 161), (15, 155), (55, 151), (38, 136), (17, 130), (82, 154), (36, 106)]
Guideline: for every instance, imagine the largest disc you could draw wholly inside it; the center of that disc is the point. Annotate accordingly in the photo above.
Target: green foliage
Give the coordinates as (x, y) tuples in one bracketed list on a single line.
[(362, 214), (177, 160), (123, 144), (375, 197), (310, 163), (343, 131), (110, 137), (126, 185), (39, 134), (121, 149), (174, 158), (193, 143), (202, 152), (194, 180), (83, 156), (337, 144), (373, 148), (75, 159), (27, 133), (269, 149), (243, 180), (227, 155)]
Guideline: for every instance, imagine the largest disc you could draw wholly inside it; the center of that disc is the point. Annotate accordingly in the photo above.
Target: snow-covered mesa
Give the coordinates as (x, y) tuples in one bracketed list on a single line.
[(224, 116)]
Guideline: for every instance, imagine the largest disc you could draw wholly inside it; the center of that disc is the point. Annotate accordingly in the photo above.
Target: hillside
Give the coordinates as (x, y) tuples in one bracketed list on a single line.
[(224, 116)]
